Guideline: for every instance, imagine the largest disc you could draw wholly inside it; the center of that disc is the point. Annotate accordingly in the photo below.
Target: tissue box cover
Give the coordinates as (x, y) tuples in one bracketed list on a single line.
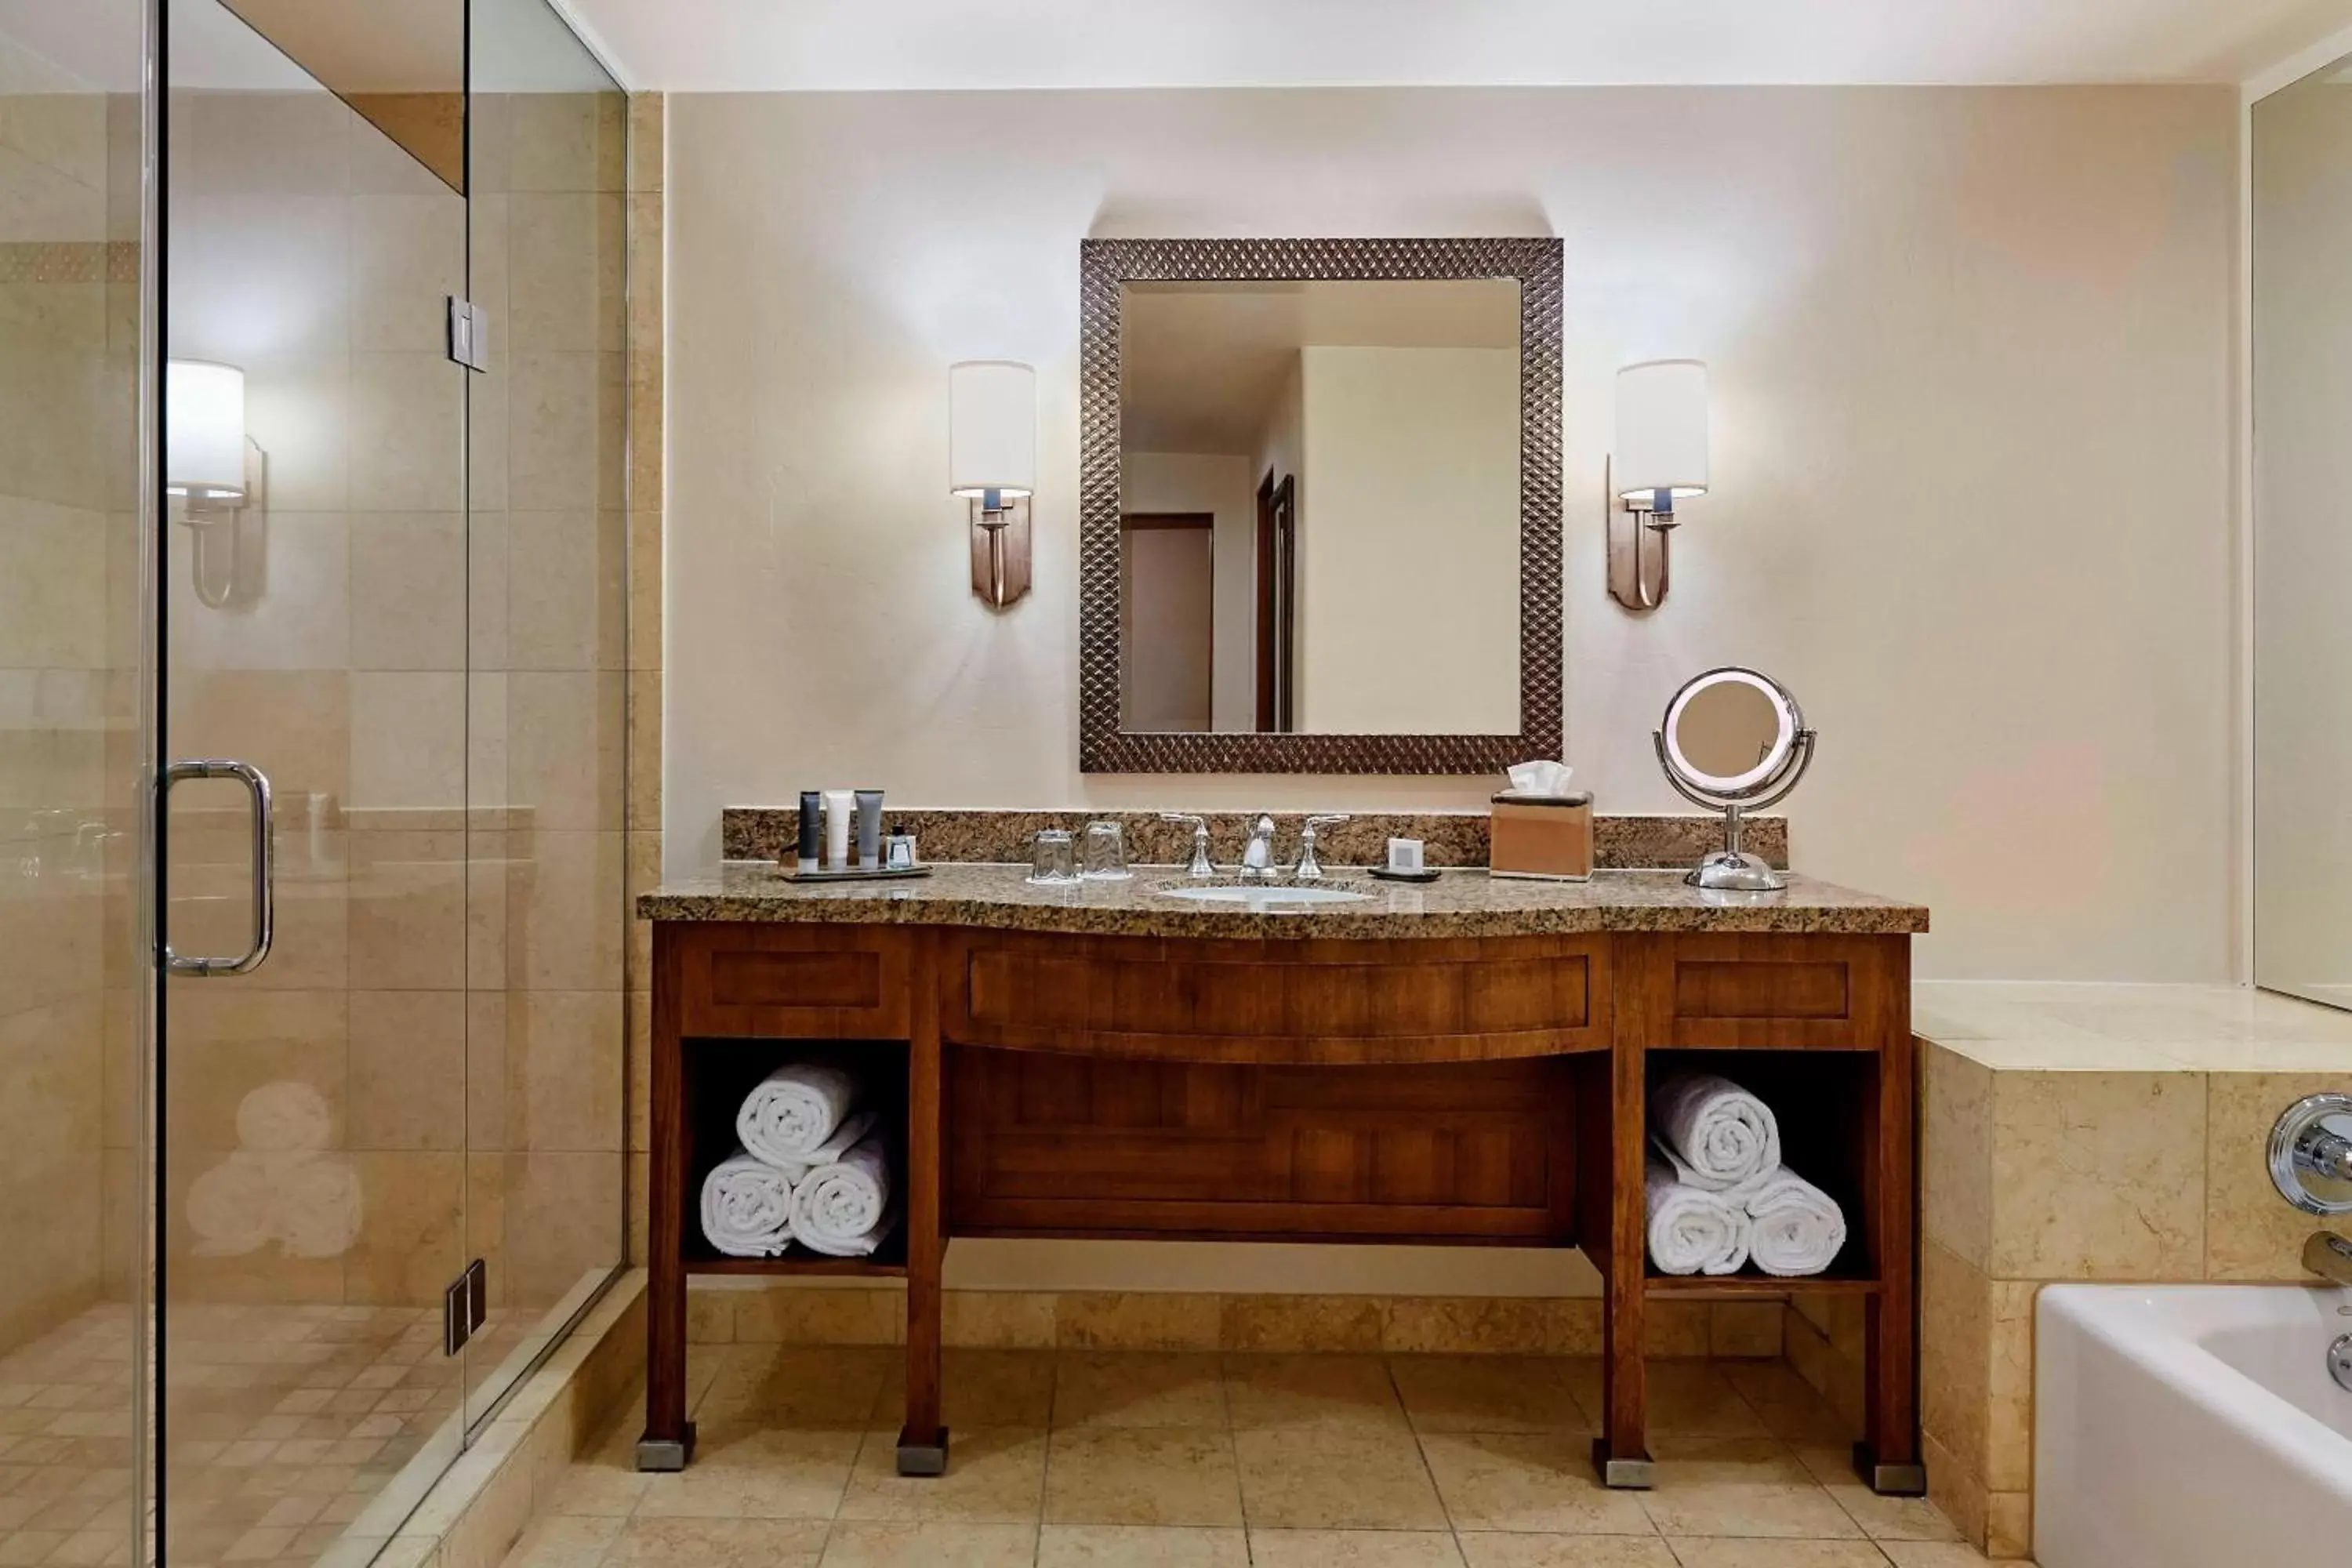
[(1546, 836)]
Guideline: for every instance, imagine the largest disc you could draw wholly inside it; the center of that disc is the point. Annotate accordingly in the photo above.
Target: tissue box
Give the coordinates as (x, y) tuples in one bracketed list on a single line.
[(1541, 835)]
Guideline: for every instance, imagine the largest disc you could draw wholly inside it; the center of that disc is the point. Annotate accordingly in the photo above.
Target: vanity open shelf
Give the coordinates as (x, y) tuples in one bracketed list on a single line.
[(1473, 1068)]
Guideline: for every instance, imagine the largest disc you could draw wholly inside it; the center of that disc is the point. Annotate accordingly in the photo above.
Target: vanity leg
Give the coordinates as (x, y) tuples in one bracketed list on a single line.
[(669, 1440), (923, 1440), (1621, 1453), (1888, 1458)]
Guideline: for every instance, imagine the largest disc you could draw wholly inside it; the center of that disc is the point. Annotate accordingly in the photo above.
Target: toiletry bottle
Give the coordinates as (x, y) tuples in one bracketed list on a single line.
[(869, 828), (812, 839)]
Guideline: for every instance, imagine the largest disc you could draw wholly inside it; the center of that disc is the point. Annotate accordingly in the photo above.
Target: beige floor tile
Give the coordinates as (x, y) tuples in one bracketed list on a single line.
[(558, 1541), (1691, 1398), (761, 1472), (1293, 1390), (1495, 1549), (1717, 1551), (1881, 1518), (1740, 1486), (1539, 1481), (797, 1386), (1140, 1546), (717, 1543), (1353, 1549), (1141, 1475), (604, 1481), (888, 1544), (1791, 1408), (979, 1389), (1138, 1389), (1336, 1478), (1938, 1554), (1495, 1394), (996, 1475)]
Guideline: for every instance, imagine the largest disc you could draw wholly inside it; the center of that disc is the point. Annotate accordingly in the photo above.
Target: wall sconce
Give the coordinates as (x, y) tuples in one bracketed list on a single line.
[(219, 474), (992, 463), (1661, 458)]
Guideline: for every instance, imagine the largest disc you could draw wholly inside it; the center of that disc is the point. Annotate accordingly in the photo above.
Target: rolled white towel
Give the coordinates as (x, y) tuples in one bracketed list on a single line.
[(840, 1209), (747, 1207), (1798, 1229), (1692, 1230), (844, 1138), (1720, 1135), (793, 1112)]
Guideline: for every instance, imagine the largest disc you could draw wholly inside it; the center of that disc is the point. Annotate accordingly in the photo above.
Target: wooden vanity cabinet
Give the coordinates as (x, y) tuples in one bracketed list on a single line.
[(1487, 1090)]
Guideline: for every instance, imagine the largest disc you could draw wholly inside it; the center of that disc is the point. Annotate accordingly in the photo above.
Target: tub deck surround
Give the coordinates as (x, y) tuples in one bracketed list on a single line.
[(1459, 903), (1464, 1062), (1449, 838)]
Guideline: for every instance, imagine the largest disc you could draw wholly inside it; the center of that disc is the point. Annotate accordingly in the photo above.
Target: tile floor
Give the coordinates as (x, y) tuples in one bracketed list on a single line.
[(1176, 1461), (282, 1423)]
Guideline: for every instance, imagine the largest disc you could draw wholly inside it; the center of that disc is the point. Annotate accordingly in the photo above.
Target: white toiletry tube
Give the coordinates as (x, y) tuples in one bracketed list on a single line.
[(840, 812)]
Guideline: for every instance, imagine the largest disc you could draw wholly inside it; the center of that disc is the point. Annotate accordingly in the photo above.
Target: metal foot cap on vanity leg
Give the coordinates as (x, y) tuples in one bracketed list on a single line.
[(1625, 1475), (919, 1458), (666, 1453), (1889, 1481)]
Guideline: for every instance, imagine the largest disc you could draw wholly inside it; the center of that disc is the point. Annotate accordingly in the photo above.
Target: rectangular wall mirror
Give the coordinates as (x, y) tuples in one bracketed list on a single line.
[(1321, 505)]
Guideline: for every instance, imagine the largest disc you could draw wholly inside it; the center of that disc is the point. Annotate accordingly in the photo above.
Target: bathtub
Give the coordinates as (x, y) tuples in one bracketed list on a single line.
[(2190, 1426)]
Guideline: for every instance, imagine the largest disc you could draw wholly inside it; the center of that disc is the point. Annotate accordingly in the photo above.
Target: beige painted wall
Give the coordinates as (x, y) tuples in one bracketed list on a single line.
[(1410, 554), (1166, 632), (1971, 361)]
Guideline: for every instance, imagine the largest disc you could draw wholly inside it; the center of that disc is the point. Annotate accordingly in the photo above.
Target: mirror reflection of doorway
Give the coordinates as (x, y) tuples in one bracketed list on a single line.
[(1277, 575), (1167, 618)]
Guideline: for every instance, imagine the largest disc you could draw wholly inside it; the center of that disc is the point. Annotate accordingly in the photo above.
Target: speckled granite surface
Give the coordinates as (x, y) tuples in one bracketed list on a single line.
[(1450, 838), (1459, 903)]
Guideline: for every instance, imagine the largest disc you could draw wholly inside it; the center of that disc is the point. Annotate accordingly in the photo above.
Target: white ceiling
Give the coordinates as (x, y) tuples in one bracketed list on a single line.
[(821, 45)]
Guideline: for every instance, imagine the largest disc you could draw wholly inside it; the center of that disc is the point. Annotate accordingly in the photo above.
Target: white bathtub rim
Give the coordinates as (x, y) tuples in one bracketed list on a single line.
[(2149, 1333)]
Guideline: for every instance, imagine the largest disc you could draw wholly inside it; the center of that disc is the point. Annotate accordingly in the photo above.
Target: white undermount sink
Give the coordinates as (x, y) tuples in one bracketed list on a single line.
[(1271, 898)]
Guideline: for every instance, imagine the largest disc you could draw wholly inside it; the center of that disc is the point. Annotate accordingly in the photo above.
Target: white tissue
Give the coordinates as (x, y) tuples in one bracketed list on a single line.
[(1539, 780)]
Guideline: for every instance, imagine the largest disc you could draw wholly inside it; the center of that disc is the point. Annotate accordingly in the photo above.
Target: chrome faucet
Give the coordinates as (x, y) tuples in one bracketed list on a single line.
[(1310, 870), (2329, 1255), (1202, 865), (1257, 855)]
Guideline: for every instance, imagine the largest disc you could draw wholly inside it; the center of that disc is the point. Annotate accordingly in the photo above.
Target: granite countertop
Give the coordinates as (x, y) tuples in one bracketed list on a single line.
[(1465, 902)]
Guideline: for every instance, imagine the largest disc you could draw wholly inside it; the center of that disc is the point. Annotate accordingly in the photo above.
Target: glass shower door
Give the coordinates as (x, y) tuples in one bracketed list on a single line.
[(314, 584)]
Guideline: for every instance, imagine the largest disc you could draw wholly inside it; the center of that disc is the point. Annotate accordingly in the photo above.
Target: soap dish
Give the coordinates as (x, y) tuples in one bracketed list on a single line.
[(1426, 874)]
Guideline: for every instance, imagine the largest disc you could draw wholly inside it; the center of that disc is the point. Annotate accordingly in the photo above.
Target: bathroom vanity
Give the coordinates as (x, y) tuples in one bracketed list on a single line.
[(1464, 1062)]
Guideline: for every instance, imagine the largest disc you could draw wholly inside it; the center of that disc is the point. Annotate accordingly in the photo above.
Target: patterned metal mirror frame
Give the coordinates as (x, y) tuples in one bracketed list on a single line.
[(1103, 266)]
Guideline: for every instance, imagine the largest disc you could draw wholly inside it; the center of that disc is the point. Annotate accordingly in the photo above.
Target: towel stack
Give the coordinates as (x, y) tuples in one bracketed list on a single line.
[(810, 1168), (1717, 1194)]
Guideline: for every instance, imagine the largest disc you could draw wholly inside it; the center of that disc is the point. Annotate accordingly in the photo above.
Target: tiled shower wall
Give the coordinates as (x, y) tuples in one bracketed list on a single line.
[(435, 677), (69, 336)]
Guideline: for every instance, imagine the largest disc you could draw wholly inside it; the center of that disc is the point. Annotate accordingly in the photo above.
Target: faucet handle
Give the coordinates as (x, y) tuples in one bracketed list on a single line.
[(1310, 870), (1202, 865)]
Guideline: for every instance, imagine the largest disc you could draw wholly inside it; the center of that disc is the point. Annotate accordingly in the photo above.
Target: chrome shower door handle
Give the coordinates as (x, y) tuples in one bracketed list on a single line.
[(265, 875)]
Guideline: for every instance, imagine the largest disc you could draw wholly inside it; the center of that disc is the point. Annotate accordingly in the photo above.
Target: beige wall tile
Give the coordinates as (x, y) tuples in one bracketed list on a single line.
[(408, 740), (821, 1315), (569, 258), (407, 257), (1954, 1367), (2252, 1233), (1955, 1154), (1000, 1319), (564, 1071), (645, 260), (295, 725), (1677, 1328), (566, 598), (2098, 1175), (566, 920), (408, 1070), (644, 744), (226, 1043), (2008, 1385), (564, 746), (2009, 1526), (1092, 1321), (645, 123), (1745, 1330), (408, 909), (1466, 1324), (1575, 1326), (1300, 1324), (408, 591), (1956, 1490), (411, 1241), (566, 142), (52, 584), (408, 426), (561, 455), (564, 1219)]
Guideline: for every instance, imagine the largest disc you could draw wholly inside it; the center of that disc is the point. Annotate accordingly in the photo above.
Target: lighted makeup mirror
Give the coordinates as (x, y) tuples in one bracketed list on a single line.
[(1734, 741)]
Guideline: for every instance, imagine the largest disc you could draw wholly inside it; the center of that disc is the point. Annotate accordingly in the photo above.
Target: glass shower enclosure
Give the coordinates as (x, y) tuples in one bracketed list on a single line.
[(312, 686)]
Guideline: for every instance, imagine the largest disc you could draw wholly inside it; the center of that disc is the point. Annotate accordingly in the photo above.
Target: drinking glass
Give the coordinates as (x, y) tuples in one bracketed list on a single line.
[(1106, 853), (1053, 858)]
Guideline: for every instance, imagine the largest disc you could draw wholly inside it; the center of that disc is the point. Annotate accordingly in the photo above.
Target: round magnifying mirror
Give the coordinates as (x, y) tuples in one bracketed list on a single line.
[(1734, 741)]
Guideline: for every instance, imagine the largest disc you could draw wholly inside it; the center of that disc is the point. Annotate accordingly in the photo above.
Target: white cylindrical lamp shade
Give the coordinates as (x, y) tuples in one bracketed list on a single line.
[(992, 428), (204, 429), (1662, 428)]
